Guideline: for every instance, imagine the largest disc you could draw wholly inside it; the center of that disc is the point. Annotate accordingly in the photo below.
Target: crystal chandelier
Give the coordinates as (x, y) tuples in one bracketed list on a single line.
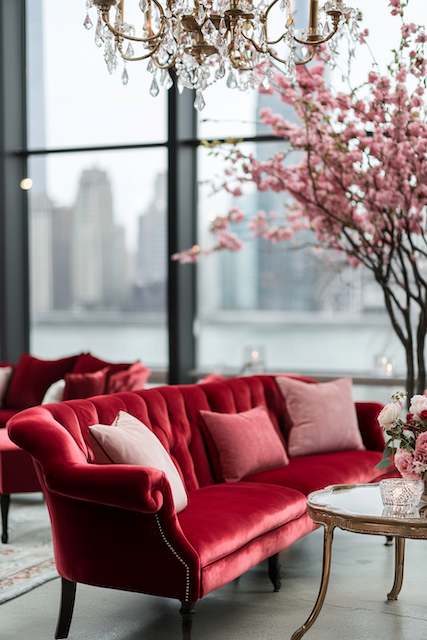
[(203, 41)]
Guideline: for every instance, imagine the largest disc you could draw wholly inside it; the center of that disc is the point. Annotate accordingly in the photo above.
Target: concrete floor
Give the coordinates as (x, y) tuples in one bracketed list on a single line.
[(355, 607)]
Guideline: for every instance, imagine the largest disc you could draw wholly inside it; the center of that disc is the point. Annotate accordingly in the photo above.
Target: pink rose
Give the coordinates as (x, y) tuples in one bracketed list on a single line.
[(418, 405), (404, 462), (420, 455)]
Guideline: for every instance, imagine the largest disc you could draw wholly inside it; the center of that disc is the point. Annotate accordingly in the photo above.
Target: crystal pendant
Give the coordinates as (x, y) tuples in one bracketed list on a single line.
[(166, 79), (88, 24), (143, 5), (231, 80), (129, 53), (125, 76), (199, 102), (154, 87), (99, 35), (220, 72), (209, 31), (150, 66)]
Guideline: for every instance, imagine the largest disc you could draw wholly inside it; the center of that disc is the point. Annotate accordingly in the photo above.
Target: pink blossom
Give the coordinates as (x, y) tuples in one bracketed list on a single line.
[(404, 463)]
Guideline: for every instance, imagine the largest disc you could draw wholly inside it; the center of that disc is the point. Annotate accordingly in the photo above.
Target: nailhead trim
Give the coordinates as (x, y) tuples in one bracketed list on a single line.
[(177, 556)]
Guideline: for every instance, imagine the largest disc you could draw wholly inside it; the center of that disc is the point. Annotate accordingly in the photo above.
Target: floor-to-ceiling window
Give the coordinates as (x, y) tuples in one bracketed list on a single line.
[(300, 309), (98, 203)]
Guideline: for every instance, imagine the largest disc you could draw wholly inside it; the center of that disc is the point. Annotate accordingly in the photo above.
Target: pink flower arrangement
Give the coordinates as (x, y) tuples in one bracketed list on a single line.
[(359, 184), (406, 438)]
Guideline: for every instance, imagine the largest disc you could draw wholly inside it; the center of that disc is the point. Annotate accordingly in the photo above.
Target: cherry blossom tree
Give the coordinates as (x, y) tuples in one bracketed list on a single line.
[(355, 174)]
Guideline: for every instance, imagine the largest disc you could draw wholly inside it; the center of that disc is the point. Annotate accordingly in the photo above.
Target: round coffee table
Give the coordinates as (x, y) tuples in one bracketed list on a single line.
[(358, 508)]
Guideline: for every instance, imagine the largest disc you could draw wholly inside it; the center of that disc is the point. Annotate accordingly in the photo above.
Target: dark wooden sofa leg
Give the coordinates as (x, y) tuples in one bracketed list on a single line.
[(68, 596), (388, 541), (5, 504), (187, 612), (274, 572)]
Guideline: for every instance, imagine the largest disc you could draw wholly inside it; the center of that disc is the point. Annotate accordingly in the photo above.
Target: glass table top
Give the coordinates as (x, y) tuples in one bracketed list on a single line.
[(364, 502)]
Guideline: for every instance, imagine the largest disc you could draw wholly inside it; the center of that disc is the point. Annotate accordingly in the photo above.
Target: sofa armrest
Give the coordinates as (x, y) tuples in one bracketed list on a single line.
[(140, 489), (372, 433)]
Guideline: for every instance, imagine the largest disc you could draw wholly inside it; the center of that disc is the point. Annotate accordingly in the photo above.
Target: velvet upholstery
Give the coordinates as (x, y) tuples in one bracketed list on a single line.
[(85, 385), (32, 377), (222, 518), (115, 525), (5, 415), (310, 473), (17, 473)]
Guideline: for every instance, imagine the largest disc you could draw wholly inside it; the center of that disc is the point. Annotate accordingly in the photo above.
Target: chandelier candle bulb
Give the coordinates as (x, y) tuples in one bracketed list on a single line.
[(203, 41)]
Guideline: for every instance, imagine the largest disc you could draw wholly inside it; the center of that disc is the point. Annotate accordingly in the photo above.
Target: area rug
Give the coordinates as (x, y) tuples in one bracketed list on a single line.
[(27, 561)]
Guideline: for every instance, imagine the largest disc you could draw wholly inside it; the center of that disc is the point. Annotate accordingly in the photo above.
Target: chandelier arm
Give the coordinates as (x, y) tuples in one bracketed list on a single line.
[(308, 59), (119, 34), (144, 57), (297, 62), (319, 41), (253, 43)]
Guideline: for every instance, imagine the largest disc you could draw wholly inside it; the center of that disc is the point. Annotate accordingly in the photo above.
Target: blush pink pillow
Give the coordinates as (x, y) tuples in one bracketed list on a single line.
[(130, 441), (323, 416), (243, 443)]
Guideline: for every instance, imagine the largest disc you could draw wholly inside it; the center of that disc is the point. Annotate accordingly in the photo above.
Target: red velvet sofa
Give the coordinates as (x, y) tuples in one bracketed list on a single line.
[(115, 525), (30, 380)]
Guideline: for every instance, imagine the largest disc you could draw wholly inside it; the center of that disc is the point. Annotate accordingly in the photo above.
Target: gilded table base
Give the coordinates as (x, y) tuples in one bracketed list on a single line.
[(326, 572), (399, 554)]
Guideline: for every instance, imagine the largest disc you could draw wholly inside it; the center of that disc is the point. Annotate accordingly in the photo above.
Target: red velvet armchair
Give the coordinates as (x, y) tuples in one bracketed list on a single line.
[(115, 525)]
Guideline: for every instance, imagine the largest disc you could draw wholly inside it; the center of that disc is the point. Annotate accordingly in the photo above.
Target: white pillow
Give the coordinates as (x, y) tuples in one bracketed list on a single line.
[(5, 376), (130, 441), (55, 393)]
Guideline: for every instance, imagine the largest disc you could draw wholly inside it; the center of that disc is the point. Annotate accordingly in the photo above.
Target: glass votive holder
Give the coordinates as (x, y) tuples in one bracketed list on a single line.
[(400, 492)]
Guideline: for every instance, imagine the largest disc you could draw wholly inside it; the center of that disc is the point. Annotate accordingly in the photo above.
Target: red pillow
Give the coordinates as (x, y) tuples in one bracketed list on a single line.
[(132, 379), (85, 385), (32, 378), (87, 363), (243, 443)]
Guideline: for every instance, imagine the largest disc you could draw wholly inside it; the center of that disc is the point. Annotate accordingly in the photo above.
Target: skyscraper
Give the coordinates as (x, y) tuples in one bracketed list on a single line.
[(95, 240), (151, 260)]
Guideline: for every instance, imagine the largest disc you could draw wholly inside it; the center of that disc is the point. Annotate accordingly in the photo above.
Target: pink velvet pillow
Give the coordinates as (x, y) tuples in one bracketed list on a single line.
[(243, 443), (323, 416)]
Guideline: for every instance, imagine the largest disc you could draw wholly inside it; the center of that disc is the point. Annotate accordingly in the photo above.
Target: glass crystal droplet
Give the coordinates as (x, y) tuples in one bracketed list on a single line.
[(99, 35), (166, 79), (150, 66), (129, 51), (220, 72), (222, 27), (154, 87), (143, 4), (201, 14), (209, 31), (88, 24), (231, 80), (89, 4), (125, 76), (199, 102)]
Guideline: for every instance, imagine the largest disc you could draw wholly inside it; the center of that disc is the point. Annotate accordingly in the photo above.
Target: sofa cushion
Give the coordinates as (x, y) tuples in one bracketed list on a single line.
[(131, 379), (130, 441), (323, 416), (242, 443), (85, 385), (87, 363), (17, 472), (32, 378), (222, 518), (311, 473), (5, 415)]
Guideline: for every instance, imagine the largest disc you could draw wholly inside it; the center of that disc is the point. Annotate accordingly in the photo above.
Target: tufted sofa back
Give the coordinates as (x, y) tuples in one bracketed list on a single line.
[(59, 433)]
